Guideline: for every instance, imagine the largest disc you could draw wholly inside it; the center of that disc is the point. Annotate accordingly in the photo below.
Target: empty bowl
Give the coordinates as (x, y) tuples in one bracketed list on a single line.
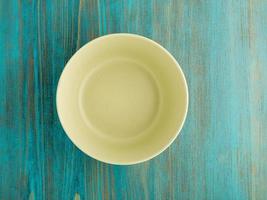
[(122, 99)]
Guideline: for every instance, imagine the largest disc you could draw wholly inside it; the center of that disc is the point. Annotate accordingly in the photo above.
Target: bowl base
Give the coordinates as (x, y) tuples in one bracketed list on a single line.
[(119, 99)]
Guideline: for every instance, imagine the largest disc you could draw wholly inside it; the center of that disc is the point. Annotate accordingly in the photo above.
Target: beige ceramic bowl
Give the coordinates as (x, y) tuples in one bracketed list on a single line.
[(122, 99)]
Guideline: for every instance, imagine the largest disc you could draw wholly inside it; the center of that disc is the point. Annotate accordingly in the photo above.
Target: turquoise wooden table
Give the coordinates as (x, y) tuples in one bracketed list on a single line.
[(221, 152)]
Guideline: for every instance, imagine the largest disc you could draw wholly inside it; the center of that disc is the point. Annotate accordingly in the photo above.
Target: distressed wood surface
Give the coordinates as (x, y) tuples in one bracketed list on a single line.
[(221, 152)]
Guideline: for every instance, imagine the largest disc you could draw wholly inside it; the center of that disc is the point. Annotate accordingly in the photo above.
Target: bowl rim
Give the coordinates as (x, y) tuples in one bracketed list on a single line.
[(165, 146)]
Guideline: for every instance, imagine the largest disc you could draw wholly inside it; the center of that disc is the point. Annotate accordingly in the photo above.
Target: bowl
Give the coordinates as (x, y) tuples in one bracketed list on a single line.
[(122, 99)]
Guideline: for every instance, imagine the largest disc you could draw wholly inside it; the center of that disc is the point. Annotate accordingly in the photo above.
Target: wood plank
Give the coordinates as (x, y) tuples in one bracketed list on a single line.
[(221, 152)]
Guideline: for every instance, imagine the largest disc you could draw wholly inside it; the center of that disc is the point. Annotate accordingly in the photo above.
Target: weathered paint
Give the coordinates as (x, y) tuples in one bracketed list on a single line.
[(221, 152)]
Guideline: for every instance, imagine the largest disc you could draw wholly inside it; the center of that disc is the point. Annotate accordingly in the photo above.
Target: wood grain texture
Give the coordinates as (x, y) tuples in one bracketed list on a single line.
[(221, 152)]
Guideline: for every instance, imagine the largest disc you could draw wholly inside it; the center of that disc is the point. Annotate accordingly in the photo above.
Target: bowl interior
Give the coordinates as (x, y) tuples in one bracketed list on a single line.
[(122, 99)]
